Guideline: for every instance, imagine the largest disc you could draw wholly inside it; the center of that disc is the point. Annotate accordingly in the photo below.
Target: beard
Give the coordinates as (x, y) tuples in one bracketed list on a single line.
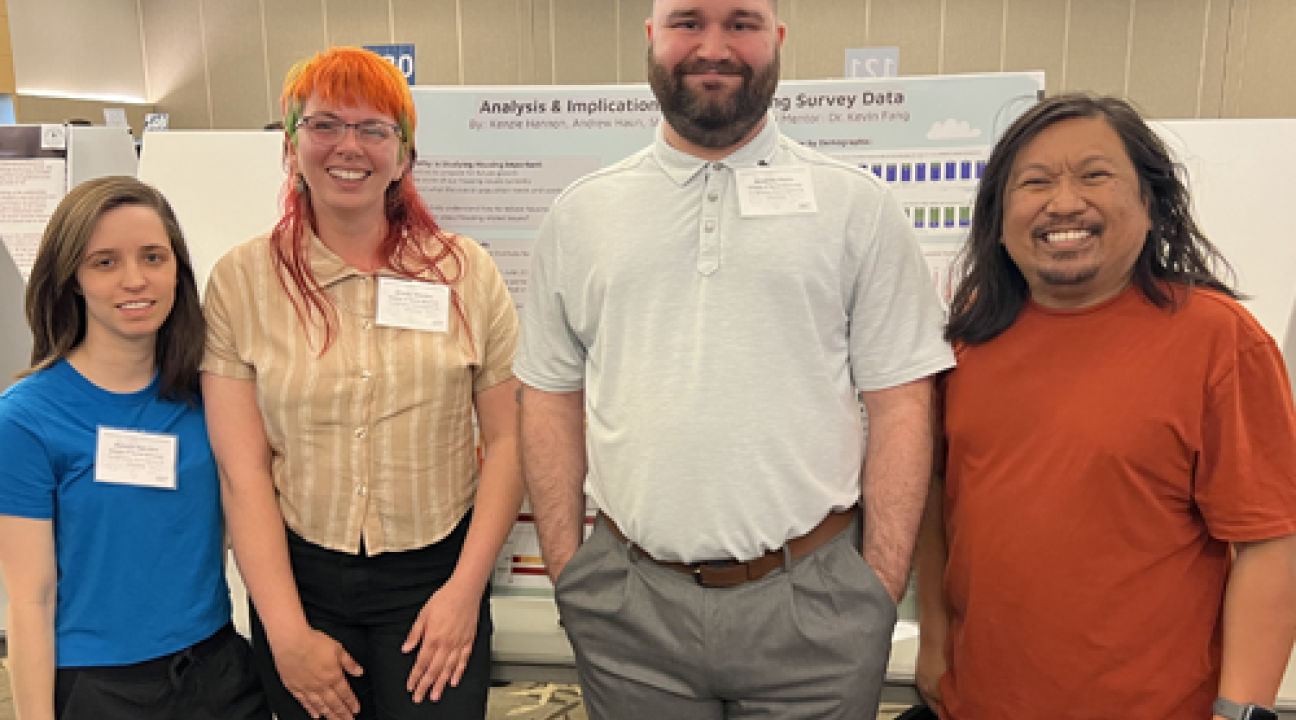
[(713, 122), (1064, 278)]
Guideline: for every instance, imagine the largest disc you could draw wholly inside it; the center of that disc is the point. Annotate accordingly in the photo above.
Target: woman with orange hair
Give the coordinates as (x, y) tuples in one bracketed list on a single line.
[(348, 352)]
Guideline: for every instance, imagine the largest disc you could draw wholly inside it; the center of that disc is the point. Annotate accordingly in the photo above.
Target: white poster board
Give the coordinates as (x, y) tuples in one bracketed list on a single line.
[(223, 186), (1237, 174)]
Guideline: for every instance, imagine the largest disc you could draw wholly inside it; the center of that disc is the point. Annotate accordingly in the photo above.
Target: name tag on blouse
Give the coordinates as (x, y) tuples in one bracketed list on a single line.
[(413, 304), (129, 457), (785, 190)]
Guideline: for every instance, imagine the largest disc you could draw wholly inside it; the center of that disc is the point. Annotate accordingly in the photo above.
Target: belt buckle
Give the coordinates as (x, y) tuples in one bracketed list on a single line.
[(718, 579)]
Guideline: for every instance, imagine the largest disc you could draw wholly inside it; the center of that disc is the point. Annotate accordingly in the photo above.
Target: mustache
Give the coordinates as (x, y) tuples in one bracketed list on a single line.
[(698, 67)]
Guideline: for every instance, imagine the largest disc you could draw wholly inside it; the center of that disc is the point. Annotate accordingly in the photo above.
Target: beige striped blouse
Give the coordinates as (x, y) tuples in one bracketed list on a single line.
[(374, 439)]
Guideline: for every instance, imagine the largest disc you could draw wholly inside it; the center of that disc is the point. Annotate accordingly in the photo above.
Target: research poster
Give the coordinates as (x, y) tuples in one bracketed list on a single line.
[(492, 159), (33, 179)]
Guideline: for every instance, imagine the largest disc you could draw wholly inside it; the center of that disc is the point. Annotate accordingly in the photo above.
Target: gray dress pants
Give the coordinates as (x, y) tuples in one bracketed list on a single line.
[(809, 641)]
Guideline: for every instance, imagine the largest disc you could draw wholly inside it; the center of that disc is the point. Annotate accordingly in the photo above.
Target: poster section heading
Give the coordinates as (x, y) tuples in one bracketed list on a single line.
[(602, 113), (818, 103)]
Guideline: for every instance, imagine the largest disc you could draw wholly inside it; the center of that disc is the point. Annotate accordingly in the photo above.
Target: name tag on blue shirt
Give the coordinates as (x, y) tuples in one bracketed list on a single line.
[(129, 457)]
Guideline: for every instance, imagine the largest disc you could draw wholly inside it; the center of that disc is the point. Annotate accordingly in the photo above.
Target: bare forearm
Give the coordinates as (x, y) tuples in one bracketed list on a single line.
[(1259, 621), (499, 495), (31, 659), (252, 516), (554, 466), (897, 471), (256, 530)]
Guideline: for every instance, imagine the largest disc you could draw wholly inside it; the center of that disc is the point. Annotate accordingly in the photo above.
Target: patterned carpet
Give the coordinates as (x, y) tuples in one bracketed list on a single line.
[(536, 701)]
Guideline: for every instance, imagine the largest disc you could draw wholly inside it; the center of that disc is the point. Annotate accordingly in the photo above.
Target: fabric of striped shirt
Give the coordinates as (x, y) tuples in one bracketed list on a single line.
[(374, 438)]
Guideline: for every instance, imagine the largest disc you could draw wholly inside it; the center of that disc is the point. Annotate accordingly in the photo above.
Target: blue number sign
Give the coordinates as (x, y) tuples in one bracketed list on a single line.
[(402, 56)]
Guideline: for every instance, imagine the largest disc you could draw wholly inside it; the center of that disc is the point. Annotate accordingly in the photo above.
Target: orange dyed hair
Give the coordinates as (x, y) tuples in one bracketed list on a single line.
[(414, 246), (349, 77)]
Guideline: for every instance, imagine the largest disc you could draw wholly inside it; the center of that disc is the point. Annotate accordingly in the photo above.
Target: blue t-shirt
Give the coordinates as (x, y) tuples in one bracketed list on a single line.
[(140, 569)]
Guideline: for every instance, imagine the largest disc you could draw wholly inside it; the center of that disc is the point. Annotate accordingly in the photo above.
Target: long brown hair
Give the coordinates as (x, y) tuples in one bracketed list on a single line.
[(414, 244), (56, 310)]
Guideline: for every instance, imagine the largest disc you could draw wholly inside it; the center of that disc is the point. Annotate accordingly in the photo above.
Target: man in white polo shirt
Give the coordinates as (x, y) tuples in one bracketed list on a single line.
[(712, 305)]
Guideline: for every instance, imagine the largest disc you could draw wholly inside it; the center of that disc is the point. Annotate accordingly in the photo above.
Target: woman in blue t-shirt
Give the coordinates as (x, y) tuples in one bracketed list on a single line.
[(111, 542)]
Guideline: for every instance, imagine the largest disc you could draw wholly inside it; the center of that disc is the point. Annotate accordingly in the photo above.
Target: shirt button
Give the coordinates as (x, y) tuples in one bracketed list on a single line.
[(367, 325), (713, 197), (364, 375), (360, 432), (361, 490), (710, 227)]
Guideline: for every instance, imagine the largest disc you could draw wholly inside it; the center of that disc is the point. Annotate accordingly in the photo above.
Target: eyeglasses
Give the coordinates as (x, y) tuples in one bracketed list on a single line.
[(331, 130)]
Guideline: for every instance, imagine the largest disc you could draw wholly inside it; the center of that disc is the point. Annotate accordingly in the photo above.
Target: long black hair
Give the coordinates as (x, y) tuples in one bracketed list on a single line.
[(993, 290)]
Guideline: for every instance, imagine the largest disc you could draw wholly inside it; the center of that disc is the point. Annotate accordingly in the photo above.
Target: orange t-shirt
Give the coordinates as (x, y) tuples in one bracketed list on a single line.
[(1099, 463)]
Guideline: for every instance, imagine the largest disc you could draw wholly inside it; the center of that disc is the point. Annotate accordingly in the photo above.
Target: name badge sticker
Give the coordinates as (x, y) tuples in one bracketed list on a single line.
[(786, 190), (413, 304), (129, 457)]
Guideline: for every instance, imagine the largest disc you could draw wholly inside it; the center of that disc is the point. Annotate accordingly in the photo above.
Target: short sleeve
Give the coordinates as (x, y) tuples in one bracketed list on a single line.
[(501, 328), (551, 357), (28, 480), (1245, 484), (897, 321), (225, 302)]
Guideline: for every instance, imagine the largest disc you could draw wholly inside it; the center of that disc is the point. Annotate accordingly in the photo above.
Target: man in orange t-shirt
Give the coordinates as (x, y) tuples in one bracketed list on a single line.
[(1114, 531)]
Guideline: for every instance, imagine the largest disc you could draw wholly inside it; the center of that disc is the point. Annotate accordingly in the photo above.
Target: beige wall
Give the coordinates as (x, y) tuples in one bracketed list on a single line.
[(219, 63), (34, 109), (77, 47)]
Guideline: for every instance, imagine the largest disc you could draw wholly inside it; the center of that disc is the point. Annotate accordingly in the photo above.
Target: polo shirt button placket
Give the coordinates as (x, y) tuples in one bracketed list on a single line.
[(709, 239)]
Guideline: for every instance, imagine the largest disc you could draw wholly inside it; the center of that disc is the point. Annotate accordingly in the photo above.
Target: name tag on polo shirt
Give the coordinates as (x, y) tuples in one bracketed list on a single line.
[(784, 190), (129, 457), (413, 304)]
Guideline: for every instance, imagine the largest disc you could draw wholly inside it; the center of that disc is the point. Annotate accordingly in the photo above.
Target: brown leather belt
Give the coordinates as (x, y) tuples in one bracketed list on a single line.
[(729, 573)]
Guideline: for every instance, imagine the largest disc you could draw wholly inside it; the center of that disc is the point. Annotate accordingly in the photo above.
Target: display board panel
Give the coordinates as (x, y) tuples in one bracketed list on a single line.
[(1237, 174), (223, 185)]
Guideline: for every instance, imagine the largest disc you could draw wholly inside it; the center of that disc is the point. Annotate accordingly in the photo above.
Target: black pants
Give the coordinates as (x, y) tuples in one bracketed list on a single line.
[(368, 604), (213, 680)]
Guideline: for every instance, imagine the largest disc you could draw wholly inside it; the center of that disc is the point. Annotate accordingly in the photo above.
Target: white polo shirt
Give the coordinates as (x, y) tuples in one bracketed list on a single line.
[(720, 354)]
